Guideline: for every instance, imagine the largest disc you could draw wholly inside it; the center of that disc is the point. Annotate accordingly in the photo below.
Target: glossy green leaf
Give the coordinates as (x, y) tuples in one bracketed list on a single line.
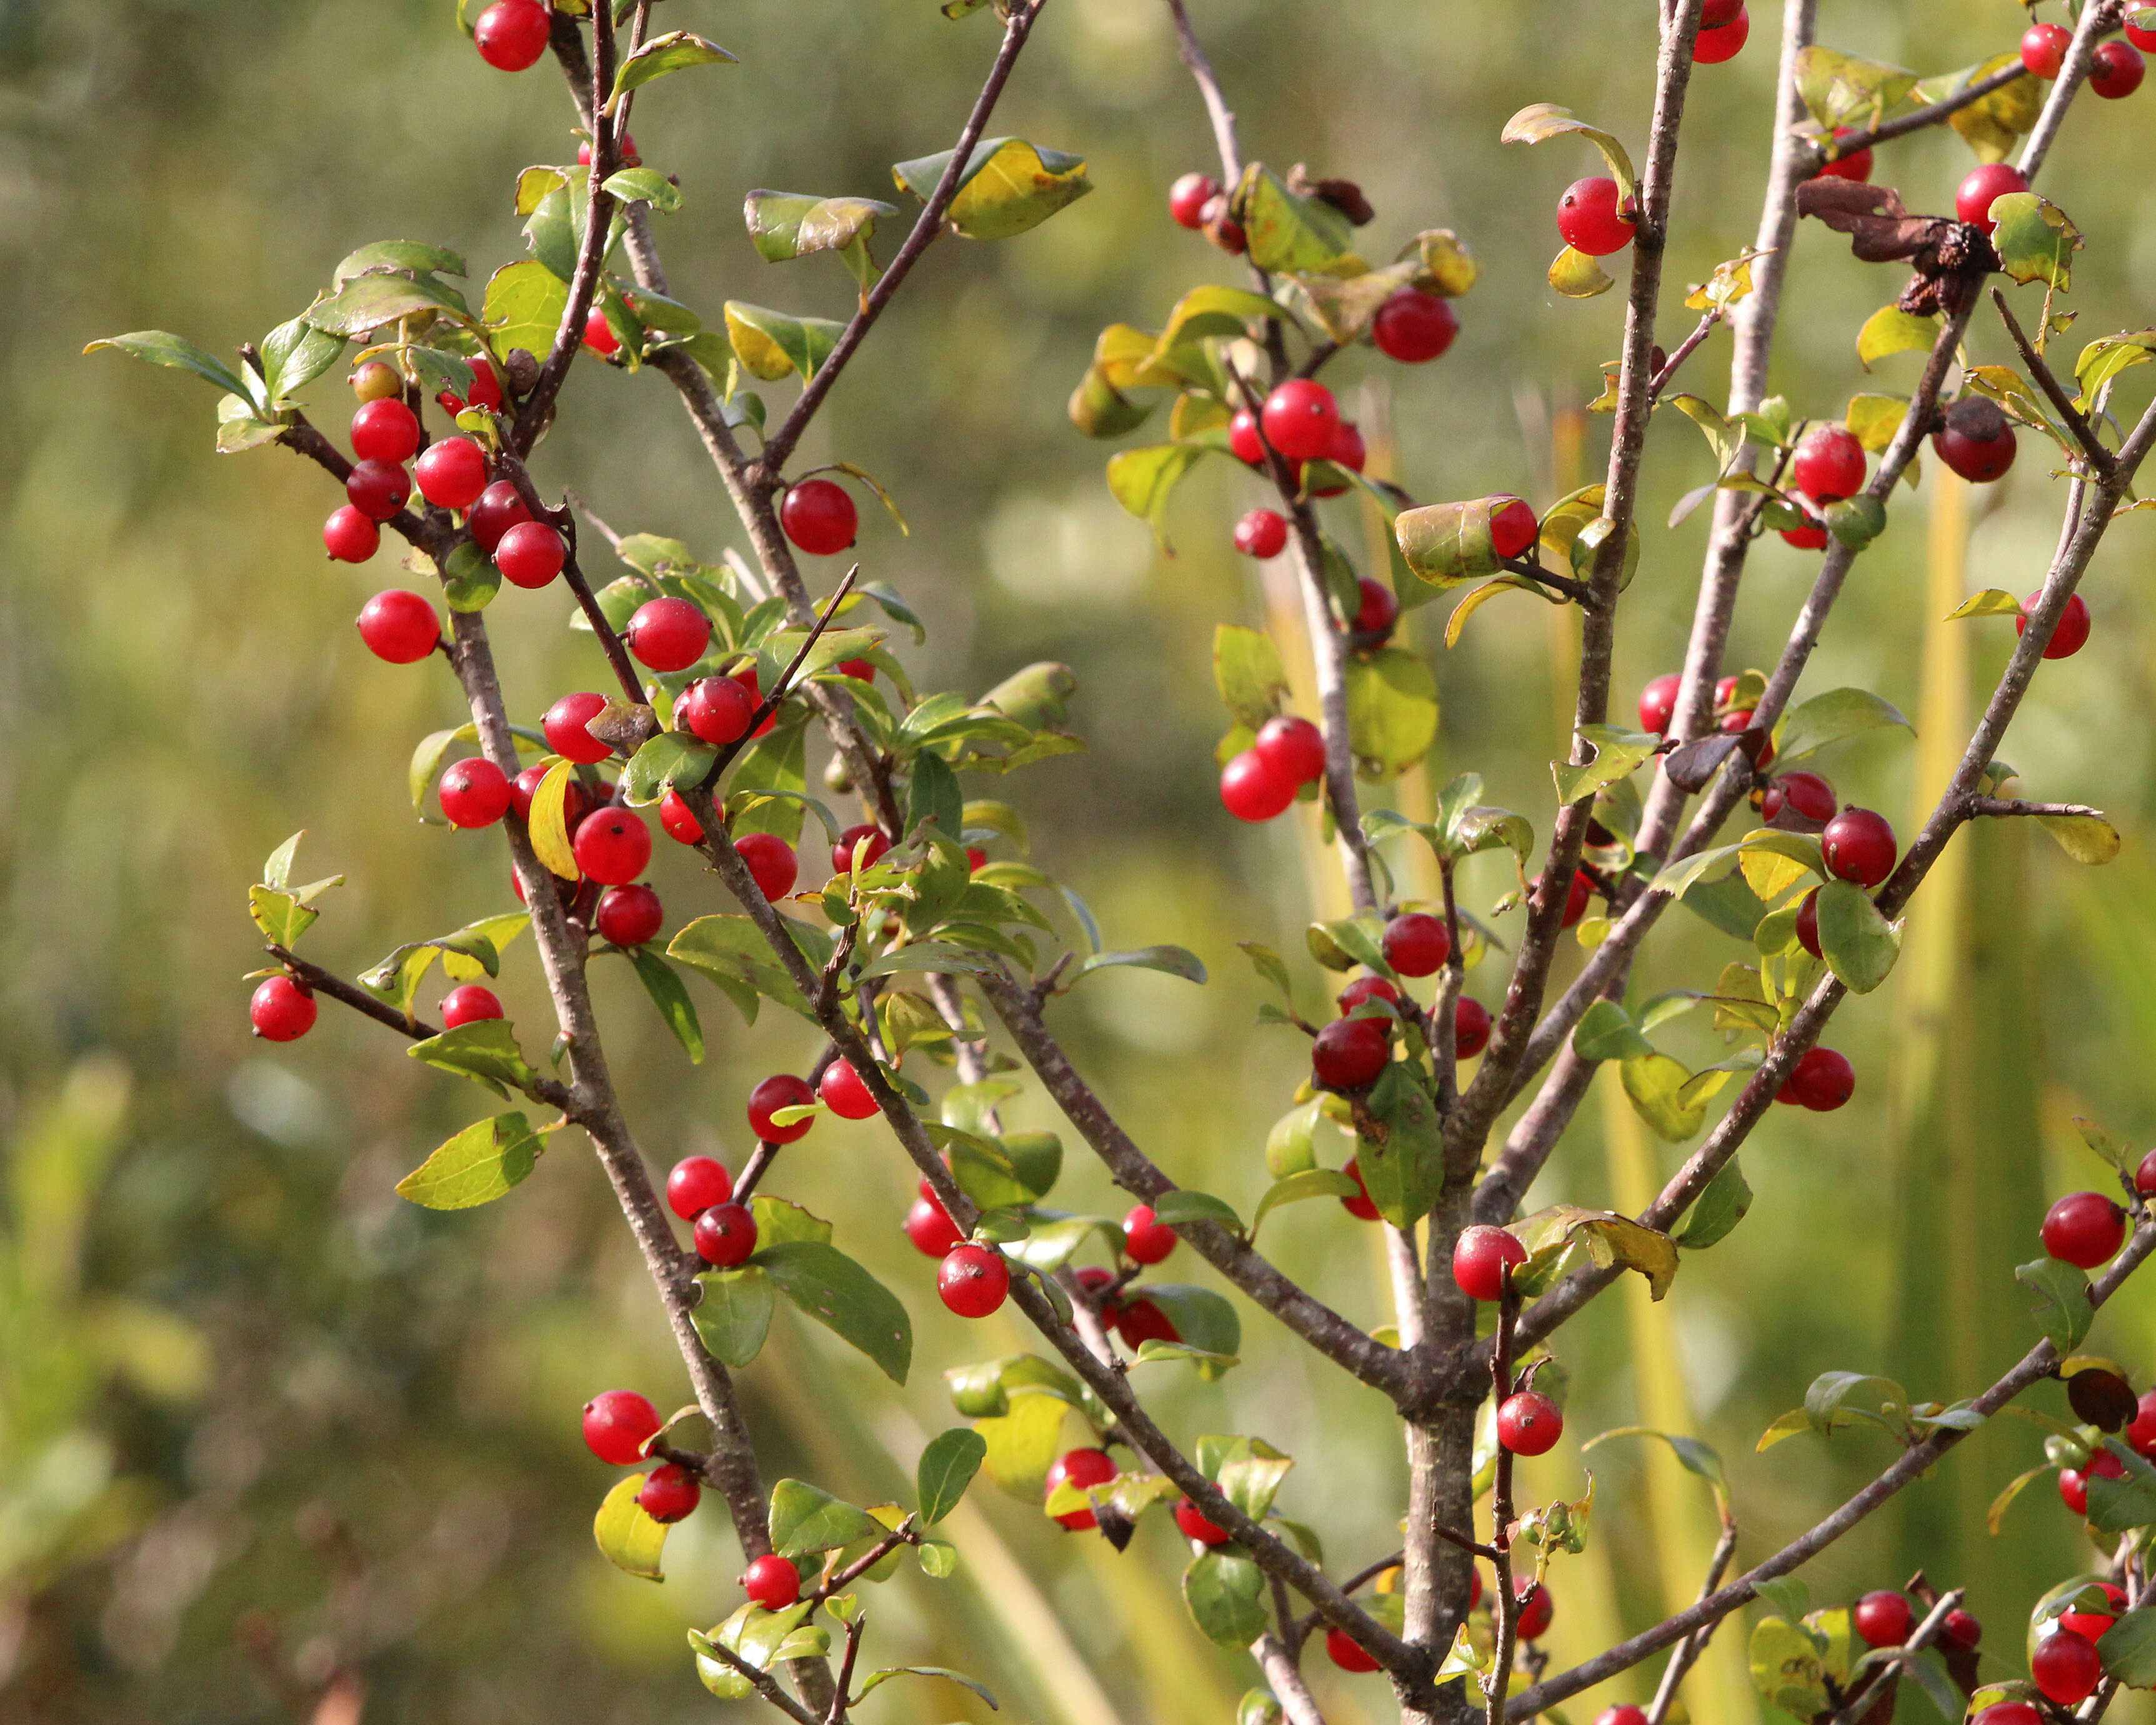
[(1008, 186), (2128, 1646), (2106, 357), (1392, 712), (643, 185), (159, 347), (1299, 1187), (2059, 1300), (1023, 1441), (1605, 1032), (484, 1050), (1248, 672), (1175, 960), (888, 1672), (1618, 754), (1224, 1592), (525, 304), (770, 344), (2035, 240), (1446, 544), (1608, 1239), (805, 1519), (1717, 1211), (477, 1166), (400, 257), (1829, 718), (1401, 1156), (1203, 1320), (1184, 1206), (1859, 944), (838, 1292), (734, 1316), (671, 758), (671, 997), (631, 1539), (675, 52), (947, 1467), (370, 302), (1541, 122), (294, 355), (1653, 1083), (1839, 88), (470, 581)]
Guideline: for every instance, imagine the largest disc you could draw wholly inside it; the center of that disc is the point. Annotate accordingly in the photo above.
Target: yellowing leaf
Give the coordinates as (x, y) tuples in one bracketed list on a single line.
[(548, 822), (1891, 330), (1540, 122), (1990, 603), (1578, 276), (1008, 186), (631, 1539), (769, 344), (2086, 838)]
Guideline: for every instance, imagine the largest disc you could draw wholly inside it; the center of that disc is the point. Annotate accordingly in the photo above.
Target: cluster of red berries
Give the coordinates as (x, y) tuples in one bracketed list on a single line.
[(1197, 202), (1350, 1052), (1534, 1611), (1259, 783), (700, 1192), (2115, 71), (1299, 421), (620, 1426)]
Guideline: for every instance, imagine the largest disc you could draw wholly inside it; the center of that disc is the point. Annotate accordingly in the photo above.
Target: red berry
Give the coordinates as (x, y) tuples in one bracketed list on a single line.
[(1300, 419), (1145, 1241), (1414, 326), (1346, 451), (726, 1234), (1079, 1467), (2067, 1668), (1821, 1080), (1141, 1322), (386, 431), (746, 676), (1625, 1714), (468, 1005), (2009, 1712), (1513, 528), (377, 489), (1658, 702), (772, 862), (819, 516), (1479, 1259), (511, 34), (1537, 1610), (498, 510), (564, 727), (2044, 48), (1577, 894), (630, 158), (2085, 1228), (1417, 943), (2093, 1625), (1883, 1618), (2116, 70), (844, 1093), (2141, 1433), (1222, 228), (1803, 794), (668, 635), (485, 390), (350, 536), (1715, 13), (1828, 464), (530, 554), (599, 335), (1980, 186), (1243, 439), (2140, 38), (1858, 845), (452, 474), (1344, 1651), (474, 793), (1711, 48), (782, 1090), (398, 626), (669, 1493), (1192, 1521), (1806, 538), (772, 1583), (2073, 1481), (1360, 1206), (2072, 632), (868, 839), (1587, 218), (1350, 1053), (1470, 1028), (281, 1010), (612, 845), (1856, 165), (1979, 460), (1251, 790), (1379, 610), (976, 859), (1808, 936), (680, 821), (929, 1226), (695, 1184), (1529, 1422), (1367, 987), (1961, 1630), (618, 1425), (973, 1281), (1262, 533), (717, 709), (1291, 749), (1188, 195), (628, 916)]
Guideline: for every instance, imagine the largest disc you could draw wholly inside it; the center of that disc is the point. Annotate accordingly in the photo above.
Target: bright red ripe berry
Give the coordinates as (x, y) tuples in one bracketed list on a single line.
[(1141, 1321), (629, 915), (2094, 1625), (469, 1005), (1577, 894), (452, 474), (630, 158), (1379, 610), (746, 676), (599, 335), (1658, 702), (1187, 199), (1360, 1206), (1079, 1467), (1291, 749), (1367, 987), (772, 1583), (668, 635), (377, 489), (2067, 1668), (2073, 1481), (2009, 1712), (1961, 1630), (1350, 1053), (386, 431), (1470, 1028), (669, 1494), (1537, 1612), (844, 1093), (696, 1184), (2071, 635), (1479, 1259), (868, 839), (1806, 538), (281, 1010), (1828, 464), (564, 727), (2141, 1433), (498, 510), (1980, 186), (1417, 943), (511, 34), (861, 670), (1859, 846), (350, 536), (1414, 328), (1344, 1651), (2116, 70), (1808, 936), (726, 1234), (1805, 795), (1821, 1080), (1346, 451), (679, 820), (612, 845), (973, 1280), (717, 709), (2085, 1228), (485, 390), (1251, 790), (1528, 1423), (1513, 528), (1243, 440), (929, 1226), (819, 516), (1191, 1520), (1980, 460), (398, 626), (1626, 1714), (2044, 48), (782, 1090), (1715, 13), (1146, 1240), (1713, 47), (772, 862), (530, 554), (474, 793), (1587, 219), (1856, 165), (618, 1423), (1262, 533), (1300, 419), (1883, 1618)]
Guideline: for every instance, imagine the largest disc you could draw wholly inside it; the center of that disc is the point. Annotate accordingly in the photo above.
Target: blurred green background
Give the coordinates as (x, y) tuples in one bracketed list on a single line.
[(271, 1440)]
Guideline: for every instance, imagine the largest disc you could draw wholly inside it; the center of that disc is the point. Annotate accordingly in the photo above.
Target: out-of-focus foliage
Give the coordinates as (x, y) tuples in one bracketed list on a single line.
[(269, 1434)]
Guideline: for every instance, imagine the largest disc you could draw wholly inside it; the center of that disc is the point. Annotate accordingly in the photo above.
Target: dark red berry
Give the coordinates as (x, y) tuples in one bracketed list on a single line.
[(1361, 1206), (1145, 1241), (1805, 796), (1711, 48), (1821, 1080), (1191, 1520), (717, 709), (1344, 1651), (511, 34), (1829, 464), (2073, 1481), (929, 1226), (772, 862), (452, 474), (2084, 1229), (726, 1235), (1537, 1612), (2072, 632), (628, 916), (1858, 845), (1961, 1630), (1479, 1258), (1222, 229), (2009, 1712), (1300, 419), (530, 554), (1976, 441), (612, 845), (844, 1093), (398, 626), (468, 1005), (668, 635), (1855, 164), (2116, 70), (2140, 1432), (772, 1583), (1513, 528), (1883, 1618), (819, 516), (564, 727), (498, 510), (386, 431), (1417, 943), (1251, 790), (1713, 14), (618, 1425), (1142, 1321), (377, 489), (474, 793), (1471, 1027), (1980, 186), (1414, 326), (2044, 48), (281, 1010), (669, 1493), (1379, 610), (1367, 987), (350, 536), (1291, 748), (1081, 1468), (973, 1281), (695, 1184), (1808, 934), (1658, 702), (1350, 1053), (485, 390), (782, 1090), (1529, 1422), (2067, 1668), (1187, 199), (1588, 218), (1262, 533), (867, 838)]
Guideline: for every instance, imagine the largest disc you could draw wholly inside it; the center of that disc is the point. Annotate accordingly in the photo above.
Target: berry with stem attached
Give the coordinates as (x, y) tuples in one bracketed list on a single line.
[(717, 709), (1146, 1240), (670, 1493), (2043, 50), (399, 626), (386, 431), (782, 1090), (281, 1010), (1252, 790), (1537, 1611), (1513, 528), (1980, 186), (772, 862), (772, 1582), (1300, 419), (564, 727), (377, 489), (474, 793), (2072, 632), (1529, 1422), (1589, 219), (628, 916), (668, 635), (612, 845), (1417, 943), (843, 1093), (1414, 328), (726, 1235), (1859, 846), (1350, 1053), (350, 536), (1479, 1258), (530, 554), (618, 1423), (695, 1184), (1883, 1618), (511, 34), (498, 510), (973, 1280), (468, 1005), (2116, 70), (1187, 199), (1262, 533), (1976, 441), (1080, 1468), (2084, 1229), (819, 516), (452, 474)]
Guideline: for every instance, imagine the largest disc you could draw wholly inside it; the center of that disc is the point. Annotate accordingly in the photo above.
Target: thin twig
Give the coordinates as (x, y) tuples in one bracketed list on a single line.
[(324, 982), (2100, 459), (1888, 130), (1689, 1649), (761, 1680), (2006, 806), (1705, 328), (1193, 54)]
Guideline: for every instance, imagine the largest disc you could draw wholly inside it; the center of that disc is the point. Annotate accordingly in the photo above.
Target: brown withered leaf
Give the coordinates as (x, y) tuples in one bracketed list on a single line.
[(1343, 195), (1881, 231)]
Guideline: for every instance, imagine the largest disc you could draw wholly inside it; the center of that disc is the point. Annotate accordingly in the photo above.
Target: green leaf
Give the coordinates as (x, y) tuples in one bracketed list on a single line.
[(2033, 239), (400, 257), (675, 52), (1856, 520), (1786, 1667), (1606, 1032), (2102, 1143), (779, 1220), (1300, 1187), (1608, 1239), (2121, 1505), (1402, 1155), (1141, 480), (2106, 357), (1392, 712), (1175, 961), (1249, 1472), (1007, 186), (786, 225), (1838, 88), (769, 344), (469, 578), (671, 758), (643, 185), (1247, 670), (805, 1519), (1285, 231), (671, 997), (627, 1534), (1652, 1084), (370, 302), (874, 1678), (1541, 122), (1717, 1211), (1224, 1592), (1829, 718), (1203, 1320), (1446, 544), (933, 795), (524, 307), (477, 1166), (2085, 838), (1695, 1457), (159, 347), (939, 1558), (1618, 754), (2059, 1300), (1184, 1205), (1859, 944), (948, 1467), (1024, 1441), (836, 1292), (734, 1316), (1213, 309), (294, 355), (2128, 1646), (484, 1050), (1891, 330)]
